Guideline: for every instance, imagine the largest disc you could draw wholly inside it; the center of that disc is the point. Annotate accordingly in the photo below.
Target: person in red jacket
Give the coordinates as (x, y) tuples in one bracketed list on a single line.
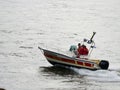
[(85, 52), (82, 50)]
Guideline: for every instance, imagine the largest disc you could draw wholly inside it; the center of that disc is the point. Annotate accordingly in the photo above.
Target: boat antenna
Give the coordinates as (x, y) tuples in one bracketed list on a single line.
[(92, 43)]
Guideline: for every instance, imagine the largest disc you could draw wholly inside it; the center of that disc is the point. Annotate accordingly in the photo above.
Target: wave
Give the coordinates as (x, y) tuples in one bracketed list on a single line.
[(99, 75)]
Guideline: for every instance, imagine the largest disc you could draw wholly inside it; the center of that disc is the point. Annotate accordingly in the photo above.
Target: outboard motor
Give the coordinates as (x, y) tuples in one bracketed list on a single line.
[(104, 64)]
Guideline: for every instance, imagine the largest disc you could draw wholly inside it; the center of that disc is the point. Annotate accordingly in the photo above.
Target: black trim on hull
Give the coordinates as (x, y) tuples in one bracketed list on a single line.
[(56, 63)]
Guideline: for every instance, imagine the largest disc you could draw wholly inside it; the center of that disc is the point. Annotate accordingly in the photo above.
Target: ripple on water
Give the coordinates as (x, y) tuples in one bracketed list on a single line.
[(6, 31), (13, 54), (26, 47)]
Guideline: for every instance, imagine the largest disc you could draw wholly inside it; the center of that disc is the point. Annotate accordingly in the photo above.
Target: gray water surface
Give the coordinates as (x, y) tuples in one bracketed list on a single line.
[(55, 25)]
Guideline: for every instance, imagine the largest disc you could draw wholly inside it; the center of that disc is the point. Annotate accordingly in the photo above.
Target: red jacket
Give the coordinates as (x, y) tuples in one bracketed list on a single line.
[(83, 51)]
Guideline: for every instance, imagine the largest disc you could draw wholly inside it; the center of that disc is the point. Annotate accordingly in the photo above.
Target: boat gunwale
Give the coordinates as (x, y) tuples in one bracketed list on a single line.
[(66, 57)]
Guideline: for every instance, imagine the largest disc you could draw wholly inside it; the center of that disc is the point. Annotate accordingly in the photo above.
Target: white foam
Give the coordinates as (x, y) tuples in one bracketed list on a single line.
[(99, 75)]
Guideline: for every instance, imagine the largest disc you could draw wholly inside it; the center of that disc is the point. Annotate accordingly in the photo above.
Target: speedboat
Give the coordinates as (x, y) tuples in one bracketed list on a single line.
[(60, 59)]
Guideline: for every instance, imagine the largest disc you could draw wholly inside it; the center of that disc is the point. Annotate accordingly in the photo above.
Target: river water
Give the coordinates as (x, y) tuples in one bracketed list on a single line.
[(55, 25)]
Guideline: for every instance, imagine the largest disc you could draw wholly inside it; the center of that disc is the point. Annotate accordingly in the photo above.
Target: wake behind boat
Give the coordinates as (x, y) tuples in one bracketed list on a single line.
[(60, 59)]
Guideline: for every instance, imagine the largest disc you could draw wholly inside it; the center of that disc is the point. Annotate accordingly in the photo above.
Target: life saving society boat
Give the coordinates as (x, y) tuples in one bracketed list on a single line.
[(60, 59)]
